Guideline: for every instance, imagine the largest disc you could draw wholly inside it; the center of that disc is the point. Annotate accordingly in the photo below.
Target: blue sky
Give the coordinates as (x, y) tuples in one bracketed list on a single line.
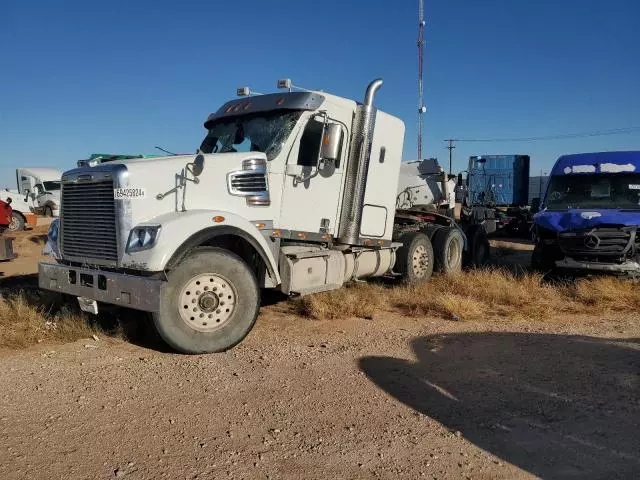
[(78, 77)]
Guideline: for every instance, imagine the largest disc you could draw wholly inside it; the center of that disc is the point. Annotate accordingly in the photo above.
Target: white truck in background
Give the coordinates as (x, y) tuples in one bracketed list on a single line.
[(41, 186), (294, 191)]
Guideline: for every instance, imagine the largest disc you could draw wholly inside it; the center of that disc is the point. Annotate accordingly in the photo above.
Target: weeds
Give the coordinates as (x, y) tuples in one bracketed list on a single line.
[(23, 324), (360, 300), (478, 295)]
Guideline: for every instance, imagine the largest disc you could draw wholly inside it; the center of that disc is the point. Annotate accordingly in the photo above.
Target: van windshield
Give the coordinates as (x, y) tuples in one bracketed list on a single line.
[(264, 132), (604, 190)]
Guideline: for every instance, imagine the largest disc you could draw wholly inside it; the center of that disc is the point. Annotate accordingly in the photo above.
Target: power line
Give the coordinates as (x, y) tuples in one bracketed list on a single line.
[(597, 133)]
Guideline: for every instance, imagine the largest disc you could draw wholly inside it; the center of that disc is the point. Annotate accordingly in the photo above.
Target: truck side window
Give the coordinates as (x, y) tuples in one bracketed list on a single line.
[(310, 144)]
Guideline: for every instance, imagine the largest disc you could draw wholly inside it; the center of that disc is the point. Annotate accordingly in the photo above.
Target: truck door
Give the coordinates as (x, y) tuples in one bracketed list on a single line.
[(312, 187), (26, 184)]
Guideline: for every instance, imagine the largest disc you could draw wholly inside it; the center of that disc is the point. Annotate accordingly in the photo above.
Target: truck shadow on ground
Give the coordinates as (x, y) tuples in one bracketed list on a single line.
[(556, 406)]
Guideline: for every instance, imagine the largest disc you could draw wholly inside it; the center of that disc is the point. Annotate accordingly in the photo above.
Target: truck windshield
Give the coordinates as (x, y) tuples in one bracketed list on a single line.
[(263, 132), (605, 190), (48, 186)]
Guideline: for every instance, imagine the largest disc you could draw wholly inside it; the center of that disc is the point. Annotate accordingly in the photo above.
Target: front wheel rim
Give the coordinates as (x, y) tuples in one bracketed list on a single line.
[(207, 302), (13, 226)]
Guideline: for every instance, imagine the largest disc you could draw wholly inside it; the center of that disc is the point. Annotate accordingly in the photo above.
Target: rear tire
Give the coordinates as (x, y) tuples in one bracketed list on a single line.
[(414, 260), (210, 302), (448, 245), (478, 248), (48, 211), (17, 222)]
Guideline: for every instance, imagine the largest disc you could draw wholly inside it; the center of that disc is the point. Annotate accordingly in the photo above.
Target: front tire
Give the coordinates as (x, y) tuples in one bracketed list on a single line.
[(210, 302), (17, 222), (48, 211), (541, 261), (414, 259)]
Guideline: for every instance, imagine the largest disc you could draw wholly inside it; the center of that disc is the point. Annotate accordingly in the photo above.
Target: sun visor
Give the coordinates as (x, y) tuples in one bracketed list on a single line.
[(269, 102)]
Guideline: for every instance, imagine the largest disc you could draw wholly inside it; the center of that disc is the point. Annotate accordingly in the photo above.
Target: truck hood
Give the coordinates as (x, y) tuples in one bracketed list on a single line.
[(577, 219), (156, 179)]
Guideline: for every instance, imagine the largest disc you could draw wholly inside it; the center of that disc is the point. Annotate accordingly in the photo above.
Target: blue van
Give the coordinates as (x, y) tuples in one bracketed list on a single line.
[(590, 215)]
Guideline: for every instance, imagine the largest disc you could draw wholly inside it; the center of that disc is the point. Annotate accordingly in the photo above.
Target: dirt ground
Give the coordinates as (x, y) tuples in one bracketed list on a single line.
[(391, 397)]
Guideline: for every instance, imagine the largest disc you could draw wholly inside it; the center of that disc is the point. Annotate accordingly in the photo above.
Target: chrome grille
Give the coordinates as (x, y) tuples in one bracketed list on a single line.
[(248, 183), (88, 221), (602, 241)]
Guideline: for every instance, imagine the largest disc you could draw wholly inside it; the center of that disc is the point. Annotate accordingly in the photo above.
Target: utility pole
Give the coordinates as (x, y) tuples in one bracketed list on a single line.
[(450, 147), (421, 107)]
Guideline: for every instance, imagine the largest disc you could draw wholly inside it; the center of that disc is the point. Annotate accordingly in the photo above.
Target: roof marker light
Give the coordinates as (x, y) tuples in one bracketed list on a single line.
[(246, 92), (285, 83)]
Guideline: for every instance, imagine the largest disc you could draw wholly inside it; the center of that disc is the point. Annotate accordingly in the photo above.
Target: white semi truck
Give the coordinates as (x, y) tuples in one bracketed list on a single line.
[(40, 185), (294, 191)]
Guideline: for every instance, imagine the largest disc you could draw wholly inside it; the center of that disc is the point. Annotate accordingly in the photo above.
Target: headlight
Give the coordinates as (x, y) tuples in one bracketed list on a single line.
[(142, 238), (54, 228)]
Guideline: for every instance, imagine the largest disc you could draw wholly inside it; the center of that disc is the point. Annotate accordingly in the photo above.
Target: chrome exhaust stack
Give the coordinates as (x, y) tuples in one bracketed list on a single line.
[(358, 167)]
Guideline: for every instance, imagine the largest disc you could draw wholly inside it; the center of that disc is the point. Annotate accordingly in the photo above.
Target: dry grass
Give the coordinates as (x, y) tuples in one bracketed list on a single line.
[(606, 293), (360, 300), (478, 295), (22, 324)]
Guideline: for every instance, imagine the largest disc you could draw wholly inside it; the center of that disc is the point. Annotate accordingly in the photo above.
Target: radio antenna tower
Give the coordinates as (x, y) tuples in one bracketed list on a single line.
[(421, 107)]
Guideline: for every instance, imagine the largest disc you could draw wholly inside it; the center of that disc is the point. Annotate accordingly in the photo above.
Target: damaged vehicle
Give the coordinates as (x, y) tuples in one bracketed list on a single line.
[(590, 215)]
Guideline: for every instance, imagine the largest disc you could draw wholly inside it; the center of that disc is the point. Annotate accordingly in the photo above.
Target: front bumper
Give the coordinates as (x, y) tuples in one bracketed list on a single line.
[(627, 268), (140, 293)]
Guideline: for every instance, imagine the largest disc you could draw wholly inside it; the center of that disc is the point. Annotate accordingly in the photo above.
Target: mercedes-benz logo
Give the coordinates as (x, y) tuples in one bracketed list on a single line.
[(591, 240)]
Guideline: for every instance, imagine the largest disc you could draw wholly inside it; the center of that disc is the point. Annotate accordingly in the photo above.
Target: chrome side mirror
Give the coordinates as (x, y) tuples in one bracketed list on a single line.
[(331, 142)]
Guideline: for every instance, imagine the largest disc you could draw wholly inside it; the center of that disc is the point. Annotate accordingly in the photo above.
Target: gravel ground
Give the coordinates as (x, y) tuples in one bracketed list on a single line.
[(384, 398)]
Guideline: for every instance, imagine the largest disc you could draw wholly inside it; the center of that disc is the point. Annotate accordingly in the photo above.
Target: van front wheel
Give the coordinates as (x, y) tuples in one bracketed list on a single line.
[(210, 302)]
